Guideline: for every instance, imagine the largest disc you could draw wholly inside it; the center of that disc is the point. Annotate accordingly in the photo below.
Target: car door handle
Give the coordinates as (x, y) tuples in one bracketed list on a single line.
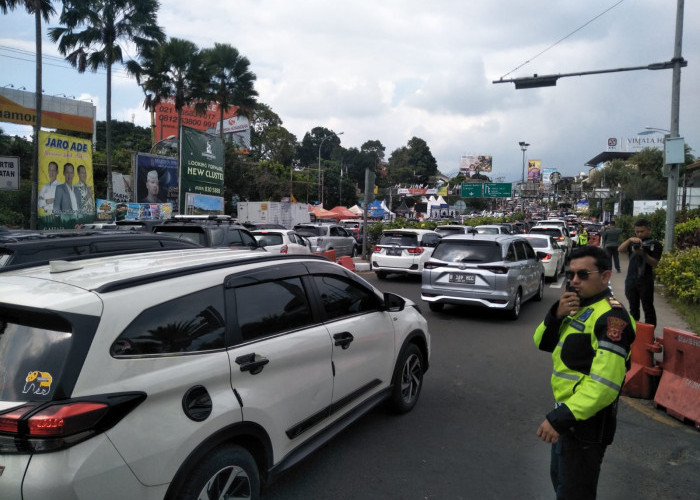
[(343, 339), (252, 363)]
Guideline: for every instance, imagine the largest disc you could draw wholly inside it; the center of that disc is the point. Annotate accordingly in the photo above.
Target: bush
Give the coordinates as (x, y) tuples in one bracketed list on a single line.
[(679, 271), (687, 234)]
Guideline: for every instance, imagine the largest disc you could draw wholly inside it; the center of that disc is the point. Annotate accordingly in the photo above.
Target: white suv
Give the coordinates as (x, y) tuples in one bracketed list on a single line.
[(190, 374)]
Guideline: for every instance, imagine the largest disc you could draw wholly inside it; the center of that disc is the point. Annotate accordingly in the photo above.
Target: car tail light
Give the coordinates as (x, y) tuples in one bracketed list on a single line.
[(416, 250), (284, 249), (561, 238), (495, 269), (55, 425), (433, 265), (377, 249), (547, 257)]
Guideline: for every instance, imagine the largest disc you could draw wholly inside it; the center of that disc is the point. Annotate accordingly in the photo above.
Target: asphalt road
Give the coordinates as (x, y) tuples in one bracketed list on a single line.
[(472, 434)]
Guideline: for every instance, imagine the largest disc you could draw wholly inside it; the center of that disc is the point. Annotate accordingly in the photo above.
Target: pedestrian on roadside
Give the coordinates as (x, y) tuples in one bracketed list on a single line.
[(644, 254), (611, 241), (589, 334)]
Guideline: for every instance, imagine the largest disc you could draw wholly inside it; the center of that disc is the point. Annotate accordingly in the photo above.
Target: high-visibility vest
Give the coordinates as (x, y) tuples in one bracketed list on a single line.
[(583, 237), (590, 355)]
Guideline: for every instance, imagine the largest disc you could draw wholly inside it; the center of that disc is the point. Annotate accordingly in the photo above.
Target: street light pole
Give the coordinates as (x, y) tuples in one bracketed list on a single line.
[(320, 188), (523, 146)]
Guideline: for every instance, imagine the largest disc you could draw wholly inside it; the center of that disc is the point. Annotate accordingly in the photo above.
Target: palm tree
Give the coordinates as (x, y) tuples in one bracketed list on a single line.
[(184, 76), (40, 9), (91, 37), (148, 74), (231, 81)]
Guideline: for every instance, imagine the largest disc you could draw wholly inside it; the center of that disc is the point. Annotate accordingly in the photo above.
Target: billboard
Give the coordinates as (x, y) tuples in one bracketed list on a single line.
[(9, 172), (155, 179), (237, 127), (534, 170), (547, 175), (19, 106), (202, 166), (474, 163), (653, 139), (66, 193)]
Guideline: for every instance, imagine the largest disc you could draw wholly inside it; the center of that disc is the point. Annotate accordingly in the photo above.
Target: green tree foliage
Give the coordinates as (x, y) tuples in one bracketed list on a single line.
[(411, 164), (269, 139), (231, 83)]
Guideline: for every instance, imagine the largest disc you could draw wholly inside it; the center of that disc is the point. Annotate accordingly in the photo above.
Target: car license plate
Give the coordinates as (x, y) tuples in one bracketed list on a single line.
[(393, 251), (467, 279)]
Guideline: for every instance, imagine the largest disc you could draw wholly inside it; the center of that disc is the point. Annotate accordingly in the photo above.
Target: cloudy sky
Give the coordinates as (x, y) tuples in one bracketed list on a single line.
[(394, 69)]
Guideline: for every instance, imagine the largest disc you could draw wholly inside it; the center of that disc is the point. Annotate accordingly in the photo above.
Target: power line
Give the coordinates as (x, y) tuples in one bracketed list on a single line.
[(562, 39)]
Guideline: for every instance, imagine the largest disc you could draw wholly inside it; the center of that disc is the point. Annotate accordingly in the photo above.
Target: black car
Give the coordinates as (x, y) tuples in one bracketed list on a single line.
[(214, 231), (40, 248)]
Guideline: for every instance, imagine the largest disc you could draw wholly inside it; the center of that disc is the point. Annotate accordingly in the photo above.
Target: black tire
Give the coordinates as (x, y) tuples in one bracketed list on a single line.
[(514, 312), (381, 274), (540, 290), (408, 380), (436, 306), (225, 472)]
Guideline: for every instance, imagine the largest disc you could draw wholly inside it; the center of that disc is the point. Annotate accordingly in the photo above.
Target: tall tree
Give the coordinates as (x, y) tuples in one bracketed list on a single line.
[(42, 9), (184, 76), (148, 74), (230, 81), (91, 37)]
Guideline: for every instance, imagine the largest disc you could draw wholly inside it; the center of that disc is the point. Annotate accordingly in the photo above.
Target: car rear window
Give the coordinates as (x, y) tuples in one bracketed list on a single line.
[(487, 230), (446, 231), (269, 239), (468, 251), (34, 351), (309, 230), (195, 234), (538, 242), (548, 231), (400, 239)]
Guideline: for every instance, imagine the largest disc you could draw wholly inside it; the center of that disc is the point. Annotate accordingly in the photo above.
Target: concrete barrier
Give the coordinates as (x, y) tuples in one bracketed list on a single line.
[(679, 388), (643, 377)]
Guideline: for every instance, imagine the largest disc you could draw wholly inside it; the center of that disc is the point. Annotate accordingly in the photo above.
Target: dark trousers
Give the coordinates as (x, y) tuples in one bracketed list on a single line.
[(614, 256), (643, 292), (575, 468)]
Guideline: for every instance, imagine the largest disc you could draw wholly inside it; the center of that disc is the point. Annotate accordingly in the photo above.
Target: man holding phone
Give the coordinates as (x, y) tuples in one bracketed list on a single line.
[(644, 254), (589, 334)]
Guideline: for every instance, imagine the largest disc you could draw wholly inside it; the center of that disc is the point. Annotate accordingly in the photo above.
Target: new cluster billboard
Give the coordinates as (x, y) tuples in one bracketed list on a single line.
[(475, 163), (201, 173)]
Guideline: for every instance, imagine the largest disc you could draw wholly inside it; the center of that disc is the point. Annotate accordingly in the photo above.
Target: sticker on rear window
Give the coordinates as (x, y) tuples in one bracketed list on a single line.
[(38, 382)]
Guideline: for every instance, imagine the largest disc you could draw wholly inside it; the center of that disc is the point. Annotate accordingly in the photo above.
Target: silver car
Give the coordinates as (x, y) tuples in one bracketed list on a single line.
[(494, 271), (325, 237)]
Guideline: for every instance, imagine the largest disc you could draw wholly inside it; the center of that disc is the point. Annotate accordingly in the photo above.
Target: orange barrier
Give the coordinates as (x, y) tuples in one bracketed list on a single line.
[(330, 255), (347, 263), (679, 388), (594, 240), (642, 378)]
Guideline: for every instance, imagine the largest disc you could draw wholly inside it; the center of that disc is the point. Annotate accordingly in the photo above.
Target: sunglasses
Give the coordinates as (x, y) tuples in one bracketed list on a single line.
[(583, 274)]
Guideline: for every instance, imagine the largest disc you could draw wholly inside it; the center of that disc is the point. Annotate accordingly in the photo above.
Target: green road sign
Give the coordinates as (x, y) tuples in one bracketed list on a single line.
[(472, 190), (498, 190)]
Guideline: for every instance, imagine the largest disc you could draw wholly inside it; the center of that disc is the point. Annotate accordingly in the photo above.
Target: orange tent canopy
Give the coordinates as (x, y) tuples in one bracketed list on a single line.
[(344, 213), (322, 213)]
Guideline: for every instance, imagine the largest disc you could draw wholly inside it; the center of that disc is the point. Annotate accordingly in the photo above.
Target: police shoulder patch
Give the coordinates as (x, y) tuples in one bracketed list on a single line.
[(615, 328), (614, 302)]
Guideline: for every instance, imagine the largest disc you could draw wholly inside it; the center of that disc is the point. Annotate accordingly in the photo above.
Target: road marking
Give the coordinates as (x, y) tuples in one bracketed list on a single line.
[(655, 414)]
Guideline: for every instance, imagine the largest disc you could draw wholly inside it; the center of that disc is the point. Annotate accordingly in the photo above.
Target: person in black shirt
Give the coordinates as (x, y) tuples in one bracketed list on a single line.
[(644, 255)]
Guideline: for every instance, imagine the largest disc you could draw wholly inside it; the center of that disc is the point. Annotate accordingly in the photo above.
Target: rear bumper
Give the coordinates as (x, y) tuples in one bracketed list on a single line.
[(490, 299)]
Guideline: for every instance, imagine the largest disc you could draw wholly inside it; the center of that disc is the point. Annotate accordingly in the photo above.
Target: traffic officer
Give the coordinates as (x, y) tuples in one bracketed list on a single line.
[(582, 236), (589, 334)]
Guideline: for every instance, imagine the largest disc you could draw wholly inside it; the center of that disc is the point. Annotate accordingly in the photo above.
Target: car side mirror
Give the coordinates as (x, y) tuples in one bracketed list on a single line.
[(393, 302)]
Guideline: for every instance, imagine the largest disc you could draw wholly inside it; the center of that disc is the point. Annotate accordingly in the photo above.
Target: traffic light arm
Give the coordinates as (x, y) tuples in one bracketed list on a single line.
[(536, 80)]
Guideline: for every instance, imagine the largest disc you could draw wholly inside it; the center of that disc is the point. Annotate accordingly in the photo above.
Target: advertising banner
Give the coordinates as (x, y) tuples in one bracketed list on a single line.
[(533, 170), (9, 173), (416, 191), (237, 126), (19, 106), (650, 139), (110, 210), (202, 167), (474, 163), (547, 175), (155, 179), (66, 192)]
